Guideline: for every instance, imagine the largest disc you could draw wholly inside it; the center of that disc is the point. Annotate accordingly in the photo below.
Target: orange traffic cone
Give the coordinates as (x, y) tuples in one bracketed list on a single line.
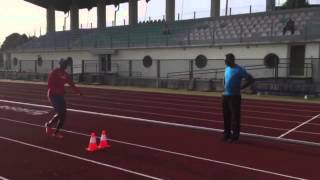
[(103, 141), (93, 143)]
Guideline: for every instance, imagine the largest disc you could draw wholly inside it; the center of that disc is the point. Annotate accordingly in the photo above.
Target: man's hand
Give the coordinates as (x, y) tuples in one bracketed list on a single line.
[(249, 81)]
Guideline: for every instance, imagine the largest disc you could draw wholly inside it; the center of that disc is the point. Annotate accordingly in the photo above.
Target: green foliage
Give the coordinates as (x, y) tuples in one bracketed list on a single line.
[(14, 40)]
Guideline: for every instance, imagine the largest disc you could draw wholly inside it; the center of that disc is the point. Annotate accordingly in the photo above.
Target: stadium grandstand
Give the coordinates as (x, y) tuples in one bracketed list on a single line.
[(279, 47)]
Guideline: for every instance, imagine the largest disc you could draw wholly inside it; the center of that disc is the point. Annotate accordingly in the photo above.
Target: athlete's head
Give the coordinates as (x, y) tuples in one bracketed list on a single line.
[(230, 59), (64, 63)]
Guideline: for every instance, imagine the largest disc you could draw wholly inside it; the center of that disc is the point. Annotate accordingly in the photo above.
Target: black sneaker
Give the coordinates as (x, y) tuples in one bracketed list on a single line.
[(233, 140), (225, 138)]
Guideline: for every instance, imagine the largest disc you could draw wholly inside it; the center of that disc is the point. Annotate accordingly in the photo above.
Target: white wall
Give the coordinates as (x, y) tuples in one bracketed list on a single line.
[(180, 58), (47, 57)]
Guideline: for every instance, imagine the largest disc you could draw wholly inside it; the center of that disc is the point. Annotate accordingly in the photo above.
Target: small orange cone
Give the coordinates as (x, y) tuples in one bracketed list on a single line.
[(93, 143), (103, 141)]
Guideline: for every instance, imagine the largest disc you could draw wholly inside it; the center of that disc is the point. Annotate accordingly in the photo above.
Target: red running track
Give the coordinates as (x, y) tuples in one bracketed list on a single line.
[(162, 151)]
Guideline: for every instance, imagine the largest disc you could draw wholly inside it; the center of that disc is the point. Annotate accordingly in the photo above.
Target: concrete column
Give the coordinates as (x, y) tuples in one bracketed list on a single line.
[(316, 69), (270, 5), (170, 10), (51, 19), (318, 72), (74, 16), (133, 12), (101, 14), (215, 8)]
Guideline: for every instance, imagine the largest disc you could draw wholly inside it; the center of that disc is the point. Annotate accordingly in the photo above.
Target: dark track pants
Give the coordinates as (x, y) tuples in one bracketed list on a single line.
[(59, 106), (231, 114)]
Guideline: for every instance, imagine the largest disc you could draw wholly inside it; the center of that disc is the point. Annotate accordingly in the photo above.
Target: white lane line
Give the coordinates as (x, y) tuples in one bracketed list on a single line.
[(188, 117), (118, 116), (3, 178), (253, 102), (285, 140), (141, 119), (212, 108), (199, 119), (80, 158), (295, 128), (204, 105), (169, 152)]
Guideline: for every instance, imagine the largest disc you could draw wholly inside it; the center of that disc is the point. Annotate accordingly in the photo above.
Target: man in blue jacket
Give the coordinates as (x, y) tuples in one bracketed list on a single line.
[(232, 97)]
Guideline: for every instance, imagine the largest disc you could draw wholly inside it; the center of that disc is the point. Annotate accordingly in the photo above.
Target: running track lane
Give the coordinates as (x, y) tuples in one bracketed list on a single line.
[(273, 157), (256, 129), (272, 127)]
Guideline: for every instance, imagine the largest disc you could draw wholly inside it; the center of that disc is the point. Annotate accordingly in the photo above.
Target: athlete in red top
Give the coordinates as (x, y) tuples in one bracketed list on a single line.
[(56, 81)]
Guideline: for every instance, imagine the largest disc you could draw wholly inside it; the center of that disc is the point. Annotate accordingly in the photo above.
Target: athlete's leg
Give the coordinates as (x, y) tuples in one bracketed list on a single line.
[(226, 116), (57, 120), (236, 117), (62, 112), (53, 120)]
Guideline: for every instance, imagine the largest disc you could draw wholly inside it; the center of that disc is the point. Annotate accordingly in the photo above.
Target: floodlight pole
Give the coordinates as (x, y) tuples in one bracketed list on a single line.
[(227, 2), (115, 15)]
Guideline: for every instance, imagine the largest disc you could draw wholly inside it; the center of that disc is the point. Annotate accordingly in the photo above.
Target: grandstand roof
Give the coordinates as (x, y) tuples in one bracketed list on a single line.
[(64, 5)]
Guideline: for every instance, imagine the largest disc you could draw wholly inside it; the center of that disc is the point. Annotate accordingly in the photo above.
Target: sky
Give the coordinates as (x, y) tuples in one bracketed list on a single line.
[(19, 16)]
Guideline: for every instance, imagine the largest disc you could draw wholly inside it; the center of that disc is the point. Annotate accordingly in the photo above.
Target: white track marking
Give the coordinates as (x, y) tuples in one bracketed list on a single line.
[(295, 128), (212, 106), (171, 152), (147, 120), (3, 178), (313, 133), (173, 124), (216, 121), (116, 116), (208, 107), (213, 103), (130, 93), (192, 100), (193, 118), (80, 158), (24, 110)]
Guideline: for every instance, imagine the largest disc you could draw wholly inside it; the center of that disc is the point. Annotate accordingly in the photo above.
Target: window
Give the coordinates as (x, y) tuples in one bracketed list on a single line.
[(15, 61), (147, 61), (1, 61), (8, 64), (39, 61), (201, 61)]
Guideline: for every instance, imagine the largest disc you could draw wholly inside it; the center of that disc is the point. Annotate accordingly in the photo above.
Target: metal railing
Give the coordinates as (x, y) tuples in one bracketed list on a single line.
[(172, 68), (258, 69)]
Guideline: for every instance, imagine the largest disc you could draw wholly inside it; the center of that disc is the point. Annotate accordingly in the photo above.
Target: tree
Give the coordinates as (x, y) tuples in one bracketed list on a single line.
[(292, 4), (14, 40)]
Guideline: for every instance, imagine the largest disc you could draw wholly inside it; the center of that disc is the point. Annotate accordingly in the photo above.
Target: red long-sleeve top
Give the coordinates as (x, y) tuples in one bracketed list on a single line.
[(56, 81)]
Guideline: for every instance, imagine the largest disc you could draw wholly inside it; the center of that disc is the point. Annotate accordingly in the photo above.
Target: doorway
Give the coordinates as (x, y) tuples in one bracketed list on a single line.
[(297, 60), (105, 63)]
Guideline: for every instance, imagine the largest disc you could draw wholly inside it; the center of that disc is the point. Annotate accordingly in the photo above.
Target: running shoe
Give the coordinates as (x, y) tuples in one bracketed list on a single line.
[(48, 129), (57, 135)]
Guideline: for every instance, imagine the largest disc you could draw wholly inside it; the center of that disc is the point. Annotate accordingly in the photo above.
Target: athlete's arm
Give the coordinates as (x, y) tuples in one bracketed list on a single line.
[(249, 81), (74, 88)]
